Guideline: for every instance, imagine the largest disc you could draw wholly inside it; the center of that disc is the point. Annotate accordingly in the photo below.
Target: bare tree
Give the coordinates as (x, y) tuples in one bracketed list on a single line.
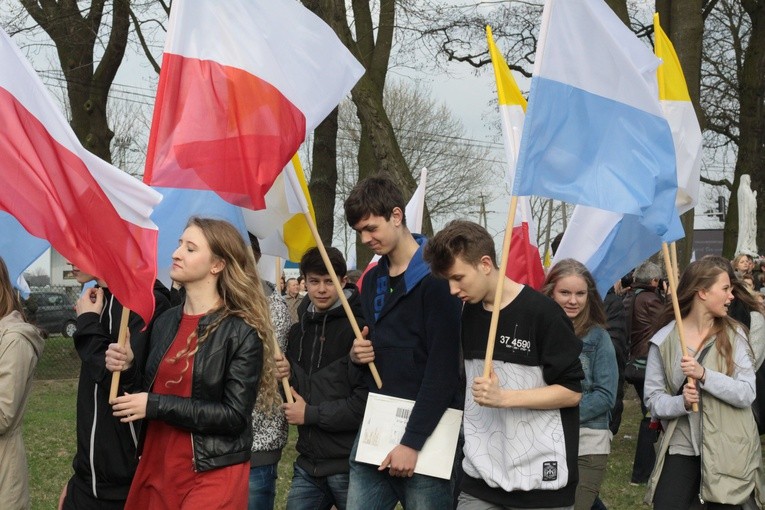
[(459, 168), (733, 88), (79, 34)]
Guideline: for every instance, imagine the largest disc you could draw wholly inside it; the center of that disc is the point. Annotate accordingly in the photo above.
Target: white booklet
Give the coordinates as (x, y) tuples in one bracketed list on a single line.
[(385, 420)]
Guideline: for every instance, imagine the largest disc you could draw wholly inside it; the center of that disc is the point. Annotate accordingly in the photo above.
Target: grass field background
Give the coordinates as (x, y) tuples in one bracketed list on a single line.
[(49, 433)]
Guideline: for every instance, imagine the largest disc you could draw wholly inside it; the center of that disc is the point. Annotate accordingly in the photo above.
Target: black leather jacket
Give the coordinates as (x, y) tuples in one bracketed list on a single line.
[(225, 381)]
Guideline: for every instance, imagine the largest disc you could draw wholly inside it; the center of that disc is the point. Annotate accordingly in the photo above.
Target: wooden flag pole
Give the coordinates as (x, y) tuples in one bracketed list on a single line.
[(277, 350), (500, 287), (675, 266), (285, 380), (340, 293), (121, 339), (673, 282)]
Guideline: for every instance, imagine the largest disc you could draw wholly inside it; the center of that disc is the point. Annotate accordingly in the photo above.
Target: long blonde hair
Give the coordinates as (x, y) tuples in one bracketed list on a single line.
[(241, 293), (9, 301)]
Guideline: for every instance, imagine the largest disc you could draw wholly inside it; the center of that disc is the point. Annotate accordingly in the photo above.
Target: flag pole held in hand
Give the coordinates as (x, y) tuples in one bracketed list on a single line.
[(121, 339), (673, 281)]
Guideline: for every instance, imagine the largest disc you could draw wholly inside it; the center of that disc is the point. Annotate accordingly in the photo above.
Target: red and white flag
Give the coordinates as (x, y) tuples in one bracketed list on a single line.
[(524, 264), (242, 82), (94, 214)]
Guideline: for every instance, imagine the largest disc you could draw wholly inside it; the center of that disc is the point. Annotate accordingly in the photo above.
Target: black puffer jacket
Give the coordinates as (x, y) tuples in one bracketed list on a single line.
[(333, 388), (225, 378)]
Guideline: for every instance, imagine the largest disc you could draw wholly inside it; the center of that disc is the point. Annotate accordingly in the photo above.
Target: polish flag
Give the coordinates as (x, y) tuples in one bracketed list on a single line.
[(94, 214), (242, 82), (524, 264)]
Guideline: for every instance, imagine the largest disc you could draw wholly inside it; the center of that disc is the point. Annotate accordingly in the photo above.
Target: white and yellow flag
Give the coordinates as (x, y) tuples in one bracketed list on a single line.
[(678, 110), (282, 227)]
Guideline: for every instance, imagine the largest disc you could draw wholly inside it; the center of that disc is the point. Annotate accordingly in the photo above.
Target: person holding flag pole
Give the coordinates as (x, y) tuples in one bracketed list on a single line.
[(702, 357), (534, 382), (210, 359)]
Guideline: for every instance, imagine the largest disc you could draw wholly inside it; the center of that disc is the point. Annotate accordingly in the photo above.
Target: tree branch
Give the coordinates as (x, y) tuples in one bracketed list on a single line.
[(142, 40), (721, 182)]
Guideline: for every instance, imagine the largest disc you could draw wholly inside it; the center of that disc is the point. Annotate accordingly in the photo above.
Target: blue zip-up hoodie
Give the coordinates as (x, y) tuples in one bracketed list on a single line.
[(415, 332)]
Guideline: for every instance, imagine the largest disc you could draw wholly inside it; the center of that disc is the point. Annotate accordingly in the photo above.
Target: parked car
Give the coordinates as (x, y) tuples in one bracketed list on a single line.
[(52, 312)]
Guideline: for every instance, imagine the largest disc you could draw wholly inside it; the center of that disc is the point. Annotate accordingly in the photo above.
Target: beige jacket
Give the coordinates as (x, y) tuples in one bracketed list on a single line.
[(20, 347), (730, 445)]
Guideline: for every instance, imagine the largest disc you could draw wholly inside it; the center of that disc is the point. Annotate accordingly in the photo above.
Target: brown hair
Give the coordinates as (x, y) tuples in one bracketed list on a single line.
[(459, 238), (241, 293), (592, 314), (740, 292), (9, 300), (698, 276), (374, 196)]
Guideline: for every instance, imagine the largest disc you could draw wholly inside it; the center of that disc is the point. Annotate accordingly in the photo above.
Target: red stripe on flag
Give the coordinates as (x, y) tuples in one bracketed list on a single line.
[(523, 262), (51, 192), (220, 128)]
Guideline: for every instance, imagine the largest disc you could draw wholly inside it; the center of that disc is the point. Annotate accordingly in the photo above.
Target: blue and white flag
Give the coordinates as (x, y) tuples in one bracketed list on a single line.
[(610, 244), (18, 248), (172, 214), (594, 131)]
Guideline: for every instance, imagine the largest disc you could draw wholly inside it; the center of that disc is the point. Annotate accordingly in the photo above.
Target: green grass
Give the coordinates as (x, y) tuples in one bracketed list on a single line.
[(49, 437)]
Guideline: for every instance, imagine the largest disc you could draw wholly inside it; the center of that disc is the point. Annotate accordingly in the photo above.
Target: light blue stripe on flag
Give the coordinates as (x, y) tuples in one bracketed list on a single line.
[(586, 149), (174, 211), (18, 248)]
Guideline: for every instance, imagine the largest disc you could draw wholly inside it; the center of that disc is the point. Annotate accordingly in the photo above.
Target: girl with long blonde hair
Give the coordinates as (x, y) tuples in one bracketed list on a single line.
[(712, 454), (210, 359)]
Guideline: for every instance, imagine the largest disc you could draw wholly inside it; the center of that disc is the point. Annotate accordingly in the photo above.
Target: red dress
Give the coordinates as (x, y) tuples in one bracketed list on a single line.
[(165, 478)]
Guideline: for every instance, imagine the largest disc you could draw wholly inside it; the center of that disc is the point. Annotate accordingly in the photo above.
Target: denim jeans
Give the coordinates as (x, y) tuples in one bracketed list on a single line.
[(310, 492), (262, 487), (370, 489)]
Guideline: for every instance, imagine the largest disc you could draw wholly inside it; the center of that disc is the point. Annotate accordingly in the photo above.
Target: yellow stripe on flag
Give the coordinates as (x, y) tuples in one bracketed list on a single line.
[(672, 86), (507, 88), (297, 234)]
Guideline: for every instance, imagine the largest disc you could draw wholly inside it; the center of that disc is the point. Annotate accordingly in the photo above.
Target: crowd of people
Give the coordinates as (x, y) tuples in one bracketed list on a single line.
[(201, 419)]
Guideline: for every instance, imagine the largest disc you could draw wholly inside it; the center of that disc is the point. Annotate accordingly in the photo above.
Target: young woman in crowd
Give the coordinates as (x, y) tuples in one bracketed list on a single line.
[(571, 285), (20, 347), (712, 454), (209, 360), (745, 308)]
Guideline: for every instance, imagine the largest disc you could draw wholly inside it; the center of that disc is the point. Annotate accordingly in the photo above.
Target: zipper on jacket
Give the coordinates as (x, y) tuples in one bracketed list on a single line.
[(193, 455), (93, 440), (701, 427)]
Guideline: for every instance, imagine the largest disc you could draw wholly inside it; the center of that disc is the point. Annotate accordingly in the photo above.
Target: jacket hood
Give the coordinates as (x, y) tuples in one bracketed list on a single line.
[(14, 322), (308, 312), (417, 269)]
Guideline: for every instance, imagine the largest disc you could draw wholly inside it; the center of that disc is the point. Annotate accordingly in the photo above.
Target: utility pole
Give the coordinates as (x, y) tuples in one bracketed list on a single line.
[(482, 216)]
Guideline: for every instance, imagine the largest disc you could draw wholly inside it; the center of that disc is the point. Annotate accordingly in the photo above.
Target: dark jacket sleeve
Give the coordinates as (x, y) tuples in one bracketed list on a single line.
[(227, 416), (441, 381), (92, 339)]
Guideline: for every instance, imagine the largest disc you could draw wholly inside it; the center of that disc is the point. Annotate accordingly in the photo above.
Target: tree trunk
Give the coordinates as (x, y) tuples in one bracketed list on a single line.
[(620, 8), (684, 25), (379, 150), (751, 147), (323, 185), (87, 89)]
